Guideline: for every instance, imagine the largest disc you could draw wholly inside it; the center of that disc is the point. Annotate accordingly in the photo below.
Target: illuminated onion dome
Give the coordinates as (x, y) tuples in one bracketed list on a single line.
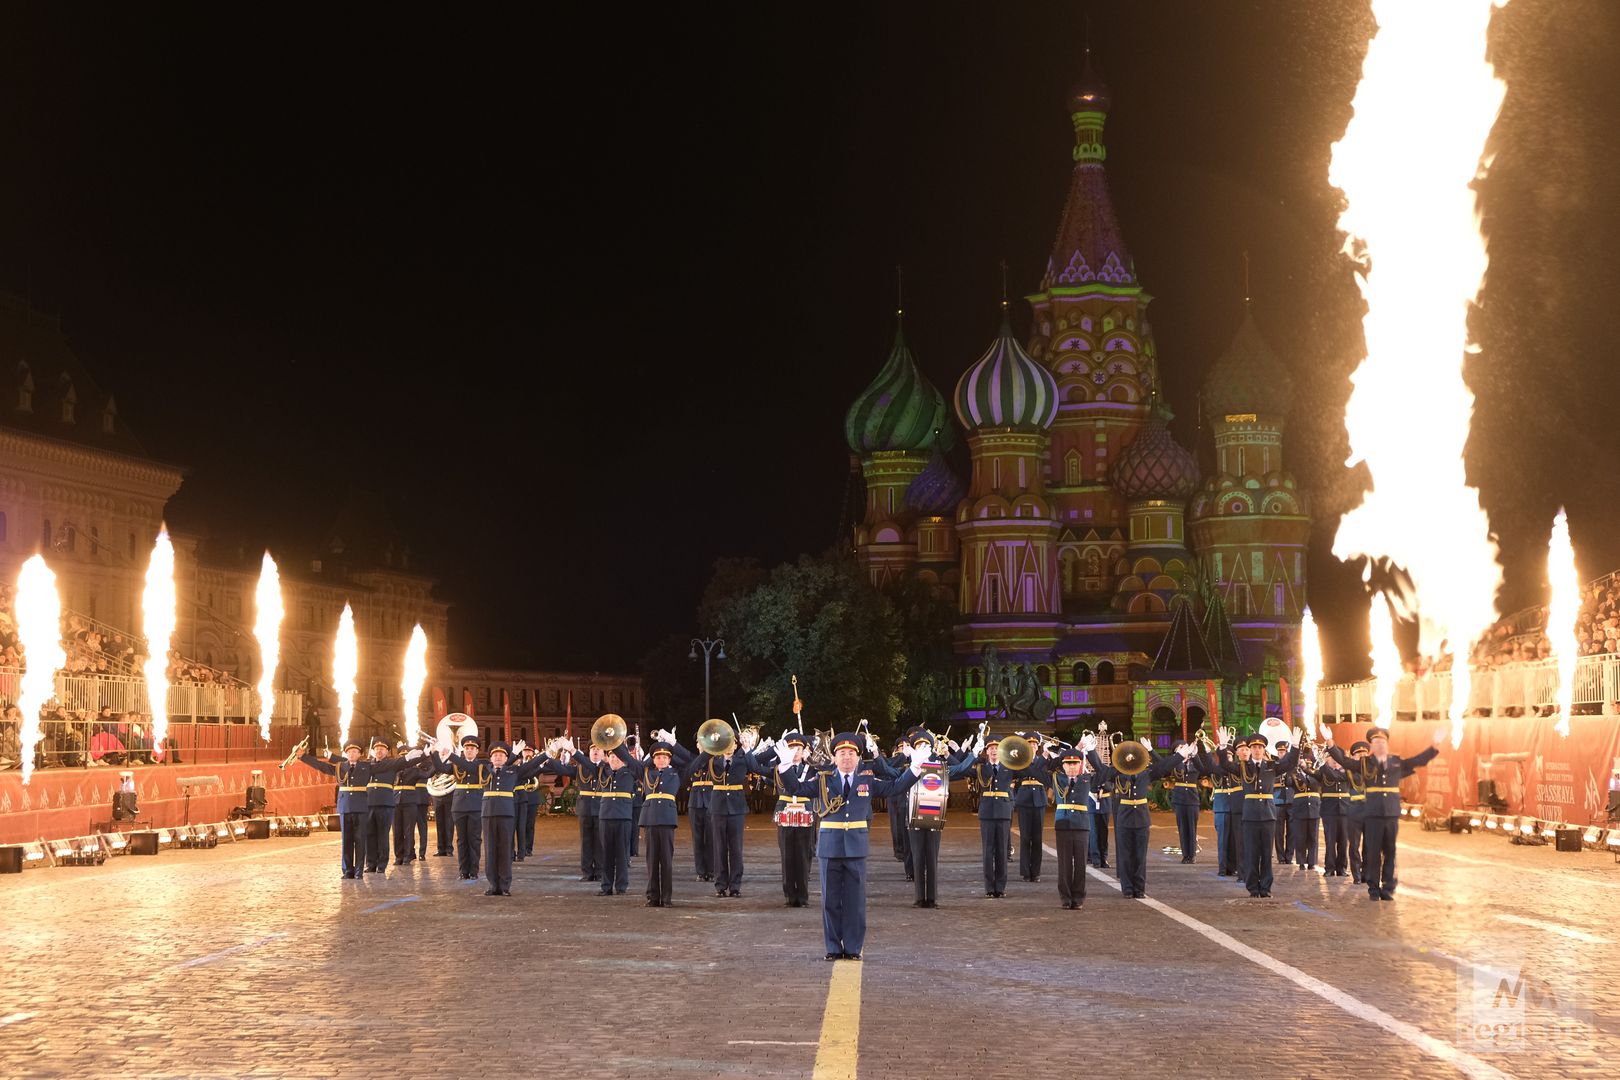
[(900, 410), (1006, 389), (1248, 378), (936, 490), (1155, 466), (1089, 93)]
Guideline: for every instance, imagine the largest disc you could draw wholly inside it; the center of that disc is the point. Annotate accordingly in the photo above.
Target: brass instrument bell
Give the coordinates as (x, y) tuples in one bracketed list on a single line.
[(608, 732), (716, 737), (1015, 752), (1130, 757)]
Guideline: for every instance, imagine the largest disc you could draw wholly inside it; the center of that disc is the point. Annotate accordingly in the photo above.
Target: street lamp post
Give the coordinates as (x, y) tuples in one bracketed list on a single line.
[(716, 646)]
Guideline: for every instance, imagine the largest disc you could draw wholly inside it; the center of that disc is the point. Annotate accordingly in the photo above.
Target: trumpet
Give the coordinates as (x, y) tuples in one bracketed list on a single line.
[(299, 749)]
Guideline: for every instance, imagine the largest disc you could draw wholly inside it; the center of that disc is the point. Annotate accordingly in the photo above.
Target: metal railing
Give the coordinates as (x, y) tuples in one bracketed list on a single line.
[(127, 694), (1519, 689)]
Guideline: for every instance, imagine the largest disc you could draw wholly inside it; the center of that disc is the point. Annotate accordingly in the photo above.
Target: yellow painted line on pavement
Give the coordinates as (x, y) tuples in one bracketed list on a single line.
[(840, 1024)]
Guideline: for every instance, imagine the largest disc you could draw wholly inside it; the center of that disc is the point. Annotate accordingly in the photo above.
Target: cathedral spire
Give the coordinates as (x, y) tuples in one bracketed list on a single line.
[(1089, 246)]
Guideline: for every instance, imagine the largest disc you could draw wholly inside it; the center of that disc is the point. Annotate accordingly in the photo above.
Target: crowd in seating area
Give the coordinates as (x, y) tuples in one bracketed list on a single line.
[(1522, 636), (74, 739)]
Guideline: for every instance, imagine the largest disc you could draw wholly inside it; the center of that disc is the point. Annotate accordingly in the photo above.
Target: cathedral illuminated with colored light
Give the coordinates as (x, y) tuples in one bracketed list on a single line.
[(1067, 547)]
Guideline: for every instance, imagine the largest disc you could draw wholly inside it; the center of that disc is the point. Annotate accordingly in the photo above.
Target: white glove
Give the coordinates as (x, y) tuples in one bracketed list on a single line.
[(978, 745), (788, 731), (784, 766), (764, 745), (871, 745), (517, 747), (1088, 743)]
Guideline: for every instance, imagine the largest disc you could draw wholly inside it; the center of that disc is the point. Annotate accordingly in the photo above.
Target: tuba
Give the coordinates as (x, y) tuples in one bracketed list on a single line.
[(608, 733), (1130, 757), (1276, 733), (716, 738), (1015, 752)]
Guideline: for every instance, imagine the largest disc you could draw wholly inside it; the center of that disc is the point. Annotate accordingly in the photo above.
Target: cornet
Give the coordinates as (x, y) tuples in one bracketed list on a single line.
[(297, 750)]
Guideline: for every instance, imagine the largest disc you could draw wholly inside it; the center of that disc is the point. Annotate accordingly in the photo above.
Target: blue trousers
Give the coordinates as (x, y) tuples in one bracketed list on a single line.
[(1187, 828), (353, 833), (1097, 852), (590, 859), (843, 904), (379, 825), (1226, 856), (702, 847)]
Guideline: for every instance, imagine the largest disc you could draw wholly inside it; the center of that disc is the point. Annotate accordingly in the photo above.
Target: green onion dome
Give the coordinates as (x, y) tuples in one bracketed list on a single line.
[(1005, 388), (899, 410)]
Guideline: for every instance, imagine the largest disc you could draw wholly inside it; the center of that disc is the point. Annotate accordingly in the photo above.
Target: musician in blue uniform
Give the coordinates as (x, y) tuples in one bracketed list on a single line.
[(587, 803), (728, 813), (995, 783), (795, 823), (1132, 818), (637, 799), (381, 802), (1184, 799), (444, 822), (1335, 838), (408, 782), (899, 827), (353, 807), (1257, 776), (611, 778), (1102, 812), (1227, 804), (1282, 800), (525, 805), (700, 789), (497, 809), (1355, 809), (1071, 825), (468, 807), (925, 840), (1029, 803), (1379, 775), (660, 781), (1306, 815), (843, 796)]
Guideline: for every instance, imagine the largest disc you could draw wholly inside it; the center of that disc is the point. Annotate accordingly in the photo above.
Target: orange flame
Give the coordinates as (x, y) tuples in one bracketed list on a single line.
[(1563, 612), (345, 666), (267, 629), (1310, 675), (39, 629), (1386, 658), (1407, 163), (158, 619), (416, 672)]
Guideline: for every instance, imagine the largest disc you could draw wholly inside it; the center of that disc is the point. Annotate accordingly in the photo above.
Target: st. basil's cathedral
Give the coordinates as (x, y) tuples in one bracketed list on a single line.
[(1083, 543)]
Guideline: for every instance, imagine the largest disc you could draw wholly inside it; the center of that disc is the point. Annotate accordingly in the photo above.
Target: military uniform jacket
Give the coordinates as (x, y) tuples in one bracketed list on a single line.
[(380, 794), (1334, 791), (469, 782), (1183, 781), (1381, 780), (1257, 781), (410, 785), (658, 787), (845, 816), (1029, 789), (995, 787), (353, 781), (730, 781), (1282, 790), (615, 788), (784, 797), (499, 797), (1307, 795), (1131, 792), (1227, 795), (1073, 801)]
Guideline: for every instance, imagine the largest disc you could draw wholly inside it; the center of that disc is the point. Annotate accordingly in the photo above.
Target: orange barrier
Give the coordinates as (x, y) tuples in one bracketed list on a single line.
[(1539, 772)]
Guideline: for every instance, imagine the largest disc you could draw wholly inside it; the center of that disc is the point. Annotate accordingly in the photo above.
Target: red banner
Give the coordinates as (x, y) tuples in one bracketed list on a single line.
[(441, 708), (1287, 703), (466, 702), (568, 721), (1214, 707), (1536, 771), (506, 711)]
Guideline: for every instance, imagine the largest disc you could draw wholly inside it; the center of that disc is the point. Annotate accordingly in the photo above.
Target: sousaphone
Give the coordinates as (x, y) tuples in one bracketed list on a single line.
[(451, 730)]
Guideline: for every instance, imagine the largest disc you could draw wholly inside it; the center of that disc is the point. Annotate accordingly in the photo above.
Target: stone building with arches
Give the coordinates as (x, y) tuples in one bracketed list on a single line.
[(1080, 523)]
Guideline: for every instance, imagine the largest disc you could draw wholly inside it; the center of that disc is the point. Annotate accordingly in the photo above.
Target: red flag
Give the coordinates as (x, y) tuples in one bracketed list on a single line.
[(1262, 701), (440, 707), (568, 720), (1288, 712), (1214, 706), (534, 710), (506, 711), (1182, 693), (466, 702)]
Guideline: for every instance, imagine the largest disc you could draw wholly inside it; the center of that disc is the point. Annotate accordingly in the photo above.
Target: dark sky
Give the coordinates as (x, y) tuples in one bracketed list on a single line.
[(584, 298)]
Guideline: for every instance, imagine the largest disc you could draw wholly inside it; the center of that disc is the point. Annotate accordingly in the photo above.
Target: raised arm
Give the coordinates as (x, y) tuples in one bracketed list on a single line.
[(1417, 761), (1338, 755), (1289, 761), (1106, 772), (318, 765), (1163, 765)]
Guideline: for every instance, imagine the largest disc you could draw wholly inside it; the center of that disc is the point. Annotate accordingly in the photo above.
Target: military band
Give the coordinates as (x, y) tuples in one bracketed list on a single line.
[(823, 808)]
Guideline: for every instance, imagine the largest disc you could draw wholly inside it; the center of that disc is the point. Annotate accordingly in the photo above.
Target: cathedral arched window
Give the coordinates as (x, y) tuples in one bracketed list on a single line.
[(1082, 674), (1043, 675), (1105, 673)]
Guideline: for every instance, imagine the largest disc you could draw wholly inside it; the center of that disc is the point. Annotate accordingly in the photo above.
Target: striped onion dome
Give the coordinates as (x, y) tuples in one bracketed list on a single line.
[(1155, 466), (1006, 389), (899, 410), (936, 490)]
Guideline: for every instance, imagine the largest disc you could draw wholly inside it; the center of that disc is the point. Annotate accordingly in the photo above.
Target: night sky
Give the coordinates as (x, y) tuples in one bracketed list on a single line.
[(584, 299)]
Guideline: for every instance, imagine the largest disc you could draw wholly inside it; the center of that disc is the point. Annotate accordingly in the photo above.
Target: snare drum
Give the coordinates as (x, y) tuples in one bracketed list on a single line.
[(795, 817)]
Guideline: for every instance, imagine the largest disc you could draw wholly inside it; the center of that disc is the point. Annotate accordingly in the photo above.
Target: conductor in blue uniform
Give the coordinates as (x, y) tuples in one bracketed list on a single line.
[(843, 801)]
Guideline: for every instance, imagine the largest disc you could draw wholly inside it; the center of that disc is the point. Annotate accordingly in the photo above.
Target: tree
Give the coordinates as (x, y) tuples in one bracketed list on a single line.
[(926, 621), (820, 619)]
